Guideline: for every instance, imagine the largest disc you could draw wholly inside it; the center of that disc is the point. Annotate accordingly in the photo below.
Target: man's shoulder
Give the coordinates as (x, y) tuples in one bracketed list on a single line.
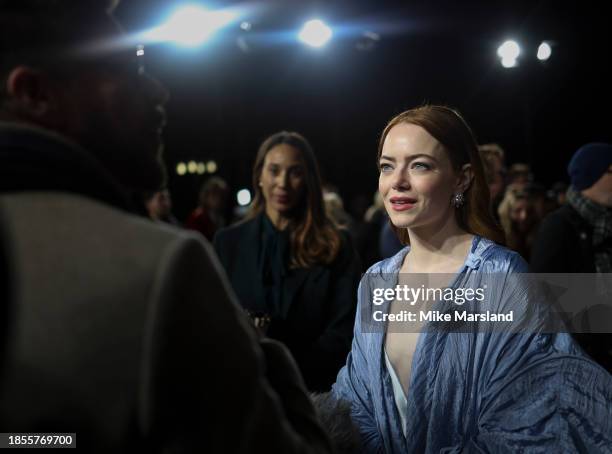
[(564, 217), (563, 225), (68, 217)]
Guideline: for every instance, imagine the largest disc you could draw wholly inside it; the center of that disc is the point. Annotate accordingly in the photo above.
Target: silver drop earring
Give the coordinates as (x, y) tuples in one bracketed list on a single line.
[(458, 200)]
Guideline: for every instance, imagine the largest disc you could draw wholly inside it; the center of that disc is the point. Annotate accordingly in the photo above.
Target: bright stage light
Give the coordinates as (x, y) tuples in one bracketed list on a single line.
[(508, 62), (243, 197), (509, 50), (315, 33), (544, 51), (191, 25)]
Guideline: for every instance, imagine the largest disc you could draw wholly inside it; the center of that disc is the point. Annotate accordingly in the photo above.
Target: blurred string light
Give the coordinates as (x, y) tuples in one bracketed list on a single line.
[(211, 166), (191, 25), (544, 51), (509, 52), (196, 167), (315, 33), (243, 197)]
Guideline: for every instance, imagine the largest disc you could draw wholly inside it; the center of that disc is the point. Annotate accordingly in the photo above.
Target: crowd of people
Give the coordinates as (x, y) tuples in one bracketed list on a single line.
[(141, 335)]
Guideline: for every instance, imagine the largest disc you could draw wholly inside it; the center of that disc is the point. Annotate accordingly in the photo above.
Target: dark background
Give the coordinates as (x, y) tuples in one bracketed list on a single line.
[(225, 101)]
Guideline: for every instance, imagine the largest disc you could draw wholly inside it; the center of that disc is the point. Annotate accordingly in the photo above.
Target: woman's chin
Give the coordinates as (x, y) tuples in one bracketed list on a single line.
[(283, 210), (401, 223)]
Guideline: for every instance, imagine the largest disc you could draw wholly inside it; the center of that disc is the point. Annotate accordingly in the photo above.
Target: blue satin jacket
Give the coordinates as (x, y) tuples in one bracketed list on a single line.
[(479, 391)]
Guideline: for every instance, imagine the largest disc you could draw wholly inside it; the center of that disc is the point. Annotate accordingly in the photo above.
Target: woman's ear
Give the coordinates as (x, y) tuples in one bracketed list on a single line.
[(464, 179), (29, 92)]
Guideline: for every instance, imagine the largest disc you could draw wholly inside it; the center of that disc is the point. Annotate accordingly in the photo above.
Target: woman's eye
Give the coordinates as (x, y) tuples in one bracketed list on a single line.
[(421, 166), (385, 168)]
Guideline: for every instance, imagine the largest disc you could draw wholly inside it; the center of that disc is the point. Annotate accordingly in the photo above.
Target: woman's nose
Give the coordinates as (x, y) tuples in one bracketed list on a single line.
[(400, 179), (282, 179)]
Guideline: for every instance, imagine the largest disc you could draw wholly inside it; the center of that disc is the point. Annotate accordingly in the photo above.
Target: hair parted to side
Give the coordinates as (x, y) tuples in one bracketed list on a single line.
[(449, 128), (314, 239)]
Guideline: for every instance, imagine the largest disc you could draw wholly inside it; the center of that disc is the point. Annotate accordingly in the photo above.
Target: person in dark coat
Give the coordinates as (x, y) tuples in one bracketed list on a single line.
[(577, 238), (290, 265)]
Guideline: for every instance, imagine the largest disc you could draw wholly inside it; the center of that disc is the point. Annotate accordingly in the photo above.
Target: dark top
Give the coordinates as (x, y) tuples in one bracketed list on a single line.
[(563, 244), (312, 309)]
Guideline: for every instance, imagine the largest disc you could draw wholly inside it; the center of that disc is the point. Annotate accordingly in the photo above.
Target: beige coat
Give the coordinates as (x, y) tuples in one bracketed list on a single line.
[(126, 332)]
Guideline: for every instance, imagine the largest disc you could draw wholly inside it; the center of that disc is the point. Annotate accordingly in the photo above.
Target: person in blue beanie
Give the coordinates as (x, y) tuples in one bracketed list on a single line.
[(577, 238)]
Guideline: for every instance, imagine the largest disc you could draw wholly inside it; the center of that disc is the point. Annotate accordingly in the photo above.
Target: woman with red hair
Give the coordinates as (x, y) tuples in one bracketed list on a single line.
[(444, 384)]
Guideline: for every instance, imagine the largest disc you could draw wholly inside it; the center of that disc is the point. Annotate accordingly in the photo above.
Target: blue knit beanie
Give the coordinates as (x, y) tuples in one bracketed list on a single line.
[(588, 164)]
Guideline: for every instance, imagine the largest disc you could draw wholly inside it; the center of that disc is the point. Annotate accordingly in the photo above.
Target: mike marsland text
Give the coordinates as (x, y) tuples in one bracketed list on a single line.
[(437, 316)]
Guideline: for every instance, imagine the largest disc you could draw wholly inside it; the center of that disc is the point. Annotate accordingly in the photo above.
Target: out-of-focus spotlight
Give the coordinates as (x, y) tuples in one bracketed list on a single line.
[(367, 41), (201, 170), (140, 50), (192, 167), (508, 62), (243, 41), (544, 51), (211, 166), (181, 168), (509, 50), (315, 33), (191, 25), (243, 197)]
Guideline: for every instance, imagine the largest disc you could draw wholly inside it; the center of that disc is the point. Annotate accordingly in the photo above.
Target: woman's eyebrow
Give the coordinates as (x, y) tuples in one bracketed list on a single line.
[(421, 155), (409, 157)]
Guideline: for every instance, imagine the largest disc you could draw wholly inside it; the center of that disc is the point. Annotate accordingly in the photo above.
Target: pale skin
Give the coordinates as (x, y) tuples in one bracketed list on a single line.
[(414, 164), (416, 172), (282, 182)]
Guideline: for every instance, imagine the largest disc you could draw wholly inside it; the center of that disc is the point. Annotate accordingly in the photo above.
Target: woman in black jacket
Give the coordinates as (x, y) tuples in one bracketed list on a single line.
[(288, 263)]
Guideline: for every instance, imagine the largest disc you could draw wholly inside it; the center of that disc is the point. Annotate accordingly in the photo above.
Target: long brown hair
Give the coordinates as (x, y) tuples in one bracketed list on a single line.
[(314, 238), (450, 129)]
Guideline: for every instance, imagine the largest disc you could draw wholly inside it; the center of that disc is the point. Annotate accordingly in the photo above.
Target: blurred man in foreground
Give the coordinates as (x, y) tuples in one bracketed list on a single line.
[(119, 329)]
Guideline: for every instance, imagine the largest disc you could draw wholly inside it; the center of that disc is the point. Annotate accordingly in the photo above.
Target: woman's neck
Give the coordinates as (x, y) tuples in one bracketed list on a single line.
[(439, 248), (279, 221)]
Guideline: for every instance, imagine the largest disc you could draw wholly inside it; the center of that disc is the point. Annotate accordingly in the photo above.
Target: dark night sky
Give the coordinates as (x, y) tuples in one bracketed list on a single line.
[(225, 101)]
